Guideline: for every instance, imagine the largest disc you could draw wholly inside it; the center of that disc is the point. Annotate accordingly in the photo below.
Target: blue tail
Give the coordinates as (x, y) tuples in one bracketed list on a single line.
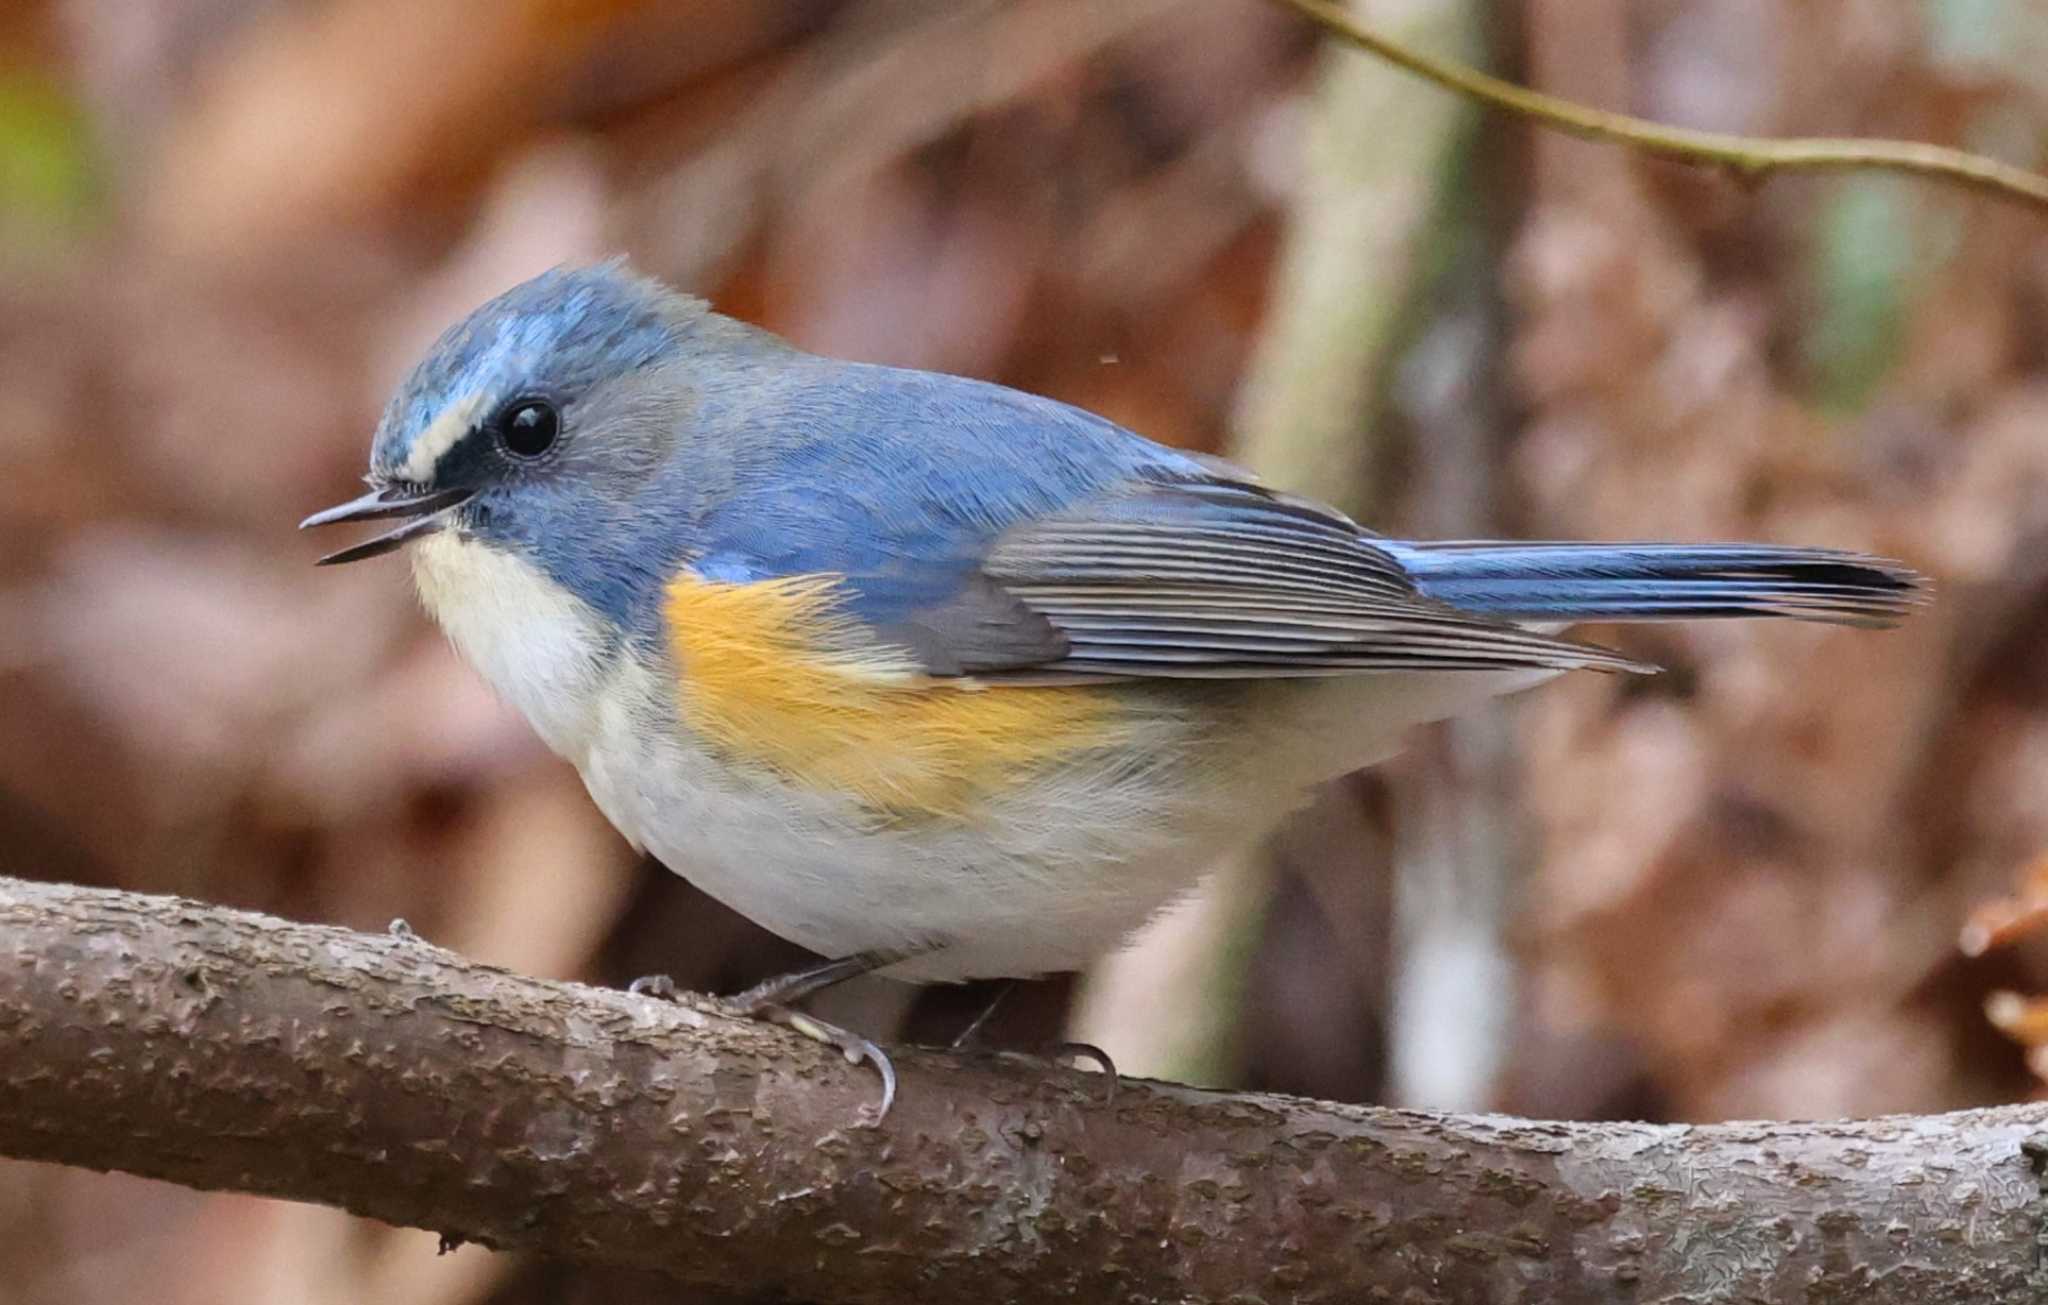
[(1660, 582)]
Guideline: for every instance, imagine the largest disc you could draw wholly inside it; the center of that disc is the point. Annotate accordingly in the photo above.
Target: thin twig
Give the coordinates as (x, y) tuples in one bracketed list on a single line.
[(1749, 158)]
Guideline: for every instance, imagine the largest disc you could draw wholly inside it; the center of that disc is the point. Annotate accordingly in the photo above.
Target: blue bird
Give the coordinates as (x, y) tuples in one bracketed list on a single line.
[(930, 676)]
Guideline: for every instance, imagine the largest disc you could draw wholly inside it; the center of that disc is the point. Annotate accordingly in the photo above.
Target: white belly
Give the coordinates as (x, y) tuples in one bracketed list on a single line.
[(1049, 878)]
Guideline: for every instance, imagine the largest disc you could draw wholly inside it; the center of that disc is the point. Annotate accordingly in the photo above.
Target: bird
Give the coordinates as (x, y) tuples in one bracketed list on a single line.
[(936, 678)]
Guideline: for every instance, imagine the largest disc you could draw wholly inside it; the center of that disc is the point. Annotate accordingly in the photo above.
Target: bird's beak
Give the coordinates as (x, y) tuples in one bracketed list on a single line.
[(425, 513)]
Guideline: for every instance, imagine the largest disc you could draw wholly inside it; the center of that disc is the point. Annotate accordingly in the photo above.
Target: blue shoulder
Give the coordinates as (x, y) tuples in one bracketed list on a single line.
[(901, 480)]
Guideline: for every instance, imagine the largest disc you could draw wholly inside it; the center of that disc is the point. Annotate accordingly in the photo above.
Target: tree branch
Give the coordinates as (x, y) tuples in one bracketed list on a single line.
[(1750, 158), (227, 1050)]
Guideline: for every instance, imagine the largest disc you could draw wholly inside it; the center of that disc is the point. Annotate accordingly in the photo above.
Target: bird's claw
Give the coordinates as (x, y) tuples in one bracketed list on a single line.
[(769, 1003), (1055, 1052), (848, 1043), (1059, 1051), (653, 985), (969, 1043)]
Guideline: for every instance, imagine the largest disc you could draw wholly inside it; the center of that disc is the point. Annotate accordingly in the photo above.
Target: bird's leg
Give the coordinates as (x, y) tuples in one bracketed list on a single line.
[(971, 1035), (773, 1001), (787, 989), (969, 1039)]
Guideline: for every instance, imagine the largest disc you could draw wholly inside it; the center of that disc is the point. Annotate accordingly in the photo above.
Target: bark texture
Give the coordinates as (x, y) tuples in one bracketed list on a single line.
[(381, 1074)]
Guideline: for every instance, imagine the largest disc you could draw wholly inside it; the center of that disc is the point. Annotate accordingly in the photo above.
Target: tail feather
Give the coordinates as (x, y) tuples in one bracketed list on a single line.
[(1660, 582)]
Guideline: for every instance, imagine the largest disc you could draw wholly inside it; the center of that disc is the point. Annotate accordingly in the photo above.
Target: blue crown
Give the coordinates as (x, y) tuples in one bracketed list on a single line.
[(558, 333)]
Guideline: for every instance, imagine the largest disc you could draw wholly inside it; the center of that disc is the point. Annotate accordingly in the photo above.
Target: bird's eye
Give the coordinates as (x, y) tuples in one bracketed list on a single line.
[(528, 427)]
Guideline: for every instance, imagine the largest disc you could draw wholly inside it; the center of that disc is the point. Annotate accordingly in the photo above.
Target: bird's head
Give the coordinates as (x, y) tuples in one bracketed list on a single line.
[(531, 415)]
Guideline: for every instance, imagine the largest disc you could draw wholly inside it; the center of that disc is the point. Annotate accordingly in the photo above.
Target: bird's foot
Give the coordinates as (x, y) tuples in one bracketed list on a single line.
[(848, 1043), (774, 1002), (653, 985), (969, 1043), (1059, 1053)]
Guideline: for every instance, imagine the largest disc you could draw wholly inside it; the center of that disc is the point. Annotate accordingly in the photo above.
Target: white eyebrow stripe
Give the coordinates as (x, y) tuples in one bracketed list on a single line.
[(455, 421)]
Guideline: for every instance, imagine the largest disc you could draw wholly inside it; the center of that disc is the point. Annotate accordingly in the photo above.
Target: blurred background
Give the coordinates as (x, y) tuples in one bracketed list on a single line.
[(227, 226)]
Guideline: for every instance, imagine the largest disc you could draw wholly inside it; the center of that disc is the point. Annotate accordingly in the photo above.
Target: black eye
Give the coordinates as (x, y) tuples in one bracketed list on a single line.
[(528, 427)]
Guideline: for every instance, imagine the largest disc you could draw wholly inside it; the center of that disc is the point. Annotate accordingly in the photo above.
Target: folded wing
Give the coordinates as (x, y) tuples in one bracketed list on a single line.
[(1220, 578)]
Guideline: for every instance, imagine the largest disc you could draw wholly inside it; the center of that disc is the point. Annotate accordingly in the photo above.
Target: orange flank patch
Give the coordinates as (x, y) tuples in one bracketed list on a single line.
[(778, 673)]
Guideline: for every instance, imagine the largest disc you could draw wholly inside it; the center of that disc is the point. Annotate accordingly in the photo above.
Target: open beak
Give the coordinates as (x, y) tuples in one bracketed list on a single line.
[(424, 513)]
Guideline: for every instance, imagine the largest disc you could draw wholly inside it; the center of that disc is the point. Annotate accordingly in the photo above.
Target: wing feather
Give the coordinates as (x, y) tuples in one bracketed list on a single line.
[(1221, 578)]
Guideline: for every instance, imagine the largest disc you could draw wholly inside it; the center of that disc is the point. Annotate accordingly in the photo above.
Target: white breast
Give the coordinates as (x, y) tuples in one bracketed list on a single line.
[(543, 649)]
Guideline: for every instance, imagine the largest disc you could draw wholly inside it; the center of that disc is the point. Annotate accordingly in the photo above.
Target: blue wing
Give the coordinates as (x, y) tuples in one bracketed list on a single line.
[(1000, 534), (906, 509)]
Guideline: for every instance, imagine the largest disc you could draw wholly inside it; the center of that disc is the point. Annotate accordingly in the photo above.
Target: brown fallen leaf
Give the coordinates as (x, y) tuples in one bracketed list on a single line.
[(2006, 919)]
